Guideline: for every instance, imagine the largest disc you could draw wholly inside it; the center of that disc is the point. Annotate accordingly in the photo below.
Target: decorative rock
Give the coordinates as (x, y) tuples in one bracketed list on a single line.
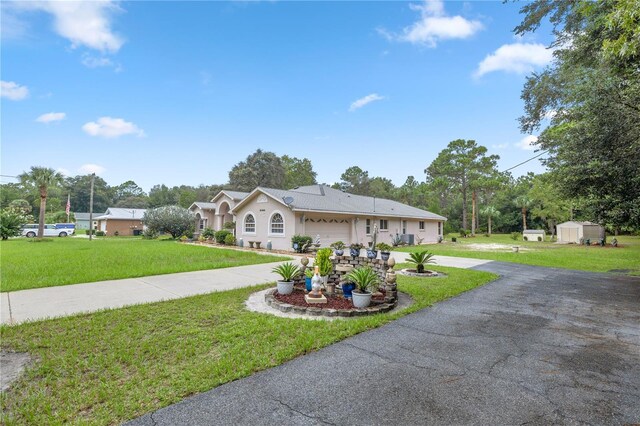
[(304, 260), (299, 309), (345, 313), (314, 311), (285, 307), (330, 312), (391, 277), (391, 262)]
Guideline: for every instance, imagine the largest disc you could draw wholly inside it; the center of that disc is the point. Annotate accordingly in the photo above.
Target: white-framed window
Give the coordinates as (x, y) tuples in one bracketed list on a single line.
[(421, 225), (368, 227), (276, 224), (249, 224), (203, 224), (404, 226), (384, 225), (439, 228)]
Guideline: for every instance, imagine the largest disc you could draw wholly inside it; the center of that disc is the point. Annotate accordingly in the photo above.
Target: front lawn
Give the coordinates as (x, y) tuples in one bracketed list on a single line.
[(112, 366), (60, 261), (567, 256)]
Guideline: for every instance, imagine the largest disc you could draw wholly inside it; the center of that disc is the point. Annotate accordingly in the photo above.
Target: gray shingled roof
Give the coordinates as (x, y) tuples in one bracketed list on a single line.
[(122, 213), (236, 195), (320, 198), (204, 206), (83, 216)]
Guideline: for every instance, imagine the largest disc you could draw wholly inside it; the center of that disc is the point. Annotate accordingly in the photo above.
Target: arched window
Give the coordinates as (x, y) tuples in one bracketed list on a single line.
[(277, 224), (249, 224)]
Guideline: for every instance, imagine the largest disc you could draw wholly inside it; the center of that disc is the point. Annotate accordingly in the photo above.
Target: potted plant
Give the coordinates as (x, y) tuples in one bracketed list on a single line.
[(338, 248), (354, 249), (366, 281), (372, 253), (323, 261), (308, 274), (385, 251), (288, 271), (420, 258)]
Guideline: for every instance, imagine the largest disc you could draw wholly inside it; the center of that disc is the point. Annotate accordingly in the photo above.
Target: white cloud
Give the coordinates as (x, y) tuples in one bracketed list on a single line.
[(63, 171), (528, 143), (84, 23), (500, 146), (51, 116), (86, 169), (549, 115), (108, 127), (434, 25), (520, 58), (95, 62), (13, 91), (364, 101)]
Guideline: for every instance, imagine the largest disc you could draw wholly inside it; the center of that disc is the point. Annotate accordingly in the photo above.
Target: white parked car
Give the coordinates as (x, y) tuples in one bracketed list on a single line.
[(56, 230)]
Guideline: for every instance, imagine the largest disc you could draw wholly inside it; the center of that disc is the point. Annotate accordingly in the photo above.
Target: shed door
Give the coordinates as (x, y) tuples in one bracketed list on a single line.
[(330, 230), (573, 234)]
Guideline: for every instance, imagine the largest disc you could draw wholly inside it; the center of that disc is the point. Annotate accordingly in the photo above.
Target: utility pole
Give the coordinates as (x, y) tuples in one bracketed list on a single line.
[(93, 178)]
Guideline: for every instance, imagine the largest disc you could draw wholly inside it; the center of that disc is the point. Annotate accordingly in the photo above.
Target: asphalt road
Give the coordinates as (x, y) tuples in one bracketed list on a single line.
[(537, 346)]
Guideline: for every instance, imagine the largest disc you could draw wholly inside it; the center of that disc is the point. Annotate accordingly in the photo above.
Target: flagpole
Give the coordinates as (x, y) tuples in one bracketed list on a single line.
[(68, 208)]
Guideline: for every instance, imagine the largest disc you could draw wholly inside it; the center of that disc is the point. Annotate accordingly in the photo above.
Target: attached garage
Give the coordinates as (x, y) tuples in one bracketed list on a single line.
[(330, 229), (572, 232)]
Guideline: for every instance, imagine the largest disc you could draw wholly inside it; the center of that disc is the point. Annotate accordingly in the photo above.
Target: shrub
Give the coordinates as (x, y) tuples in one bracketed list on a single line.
[(323, 261), (184, 238), (100, 233), (383, 247), (288, 271), (515, 236), (420, 258), (221, 235), (229, 225), (454, 239), (149, 234), (10, 222), (396, 240), (463, 232), (174, 220), (301, 241), (338, 245), (365, 279), (230, 240), (208, 233)]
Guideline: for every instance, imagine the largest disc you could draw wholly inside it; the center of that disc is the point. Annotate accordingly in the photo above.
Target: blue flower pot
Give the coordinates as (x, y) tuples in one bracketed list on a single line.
[(307, 283), (347, 289), (372, 254), (354, 253)]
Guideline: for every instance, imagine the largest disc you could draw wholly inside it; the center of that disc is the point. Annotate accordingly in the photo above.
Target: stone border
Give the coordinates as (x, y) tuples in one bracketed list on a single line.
[(428, 274), (331, 313)]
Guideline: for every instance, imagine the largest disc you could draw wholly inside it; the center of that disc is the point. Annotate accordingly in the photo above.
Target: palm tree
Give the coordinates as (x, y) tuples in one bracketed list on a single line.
[(42, 178), (490, 212), (420, 258), (523, 202)]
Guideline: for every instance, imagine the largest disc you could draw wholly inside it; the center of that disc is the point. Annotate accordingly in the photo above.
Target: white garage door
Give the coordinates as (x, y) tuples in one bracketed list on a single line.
[(330, 230)]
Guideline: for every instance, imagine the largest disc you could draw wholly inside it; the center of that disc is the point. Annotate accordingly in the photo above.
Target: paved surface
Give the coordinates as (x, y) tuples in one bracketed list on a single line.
[(538, 346), (51, 302)]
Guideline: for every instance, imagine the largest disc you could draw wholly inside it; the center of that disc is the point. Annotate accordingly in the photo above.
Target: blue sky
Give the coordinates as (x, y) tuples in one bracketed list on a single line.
[(179, 92)]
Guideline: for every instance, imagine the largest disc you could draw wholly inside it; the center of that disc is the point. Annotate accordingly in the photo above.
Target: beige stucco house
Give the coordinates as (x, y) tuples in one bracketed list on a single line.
[(214, 214), (319, 211), (124, 221)]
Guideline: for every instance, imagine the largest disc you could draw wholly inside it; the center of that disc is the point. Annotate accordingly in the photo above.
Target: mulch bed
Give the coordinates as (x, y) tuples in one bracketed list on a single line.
[(333, 301)]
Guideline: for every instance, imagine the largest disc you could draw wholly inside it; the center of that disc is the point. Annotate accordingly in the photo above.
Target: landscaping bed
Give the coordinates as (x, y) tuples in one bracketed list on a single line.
[(337, 305)]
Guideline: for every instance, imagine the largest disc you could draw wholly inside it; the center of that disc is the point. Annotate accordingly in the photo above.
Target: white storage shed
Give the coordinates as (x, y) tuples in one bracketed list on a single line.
[(571, 232)]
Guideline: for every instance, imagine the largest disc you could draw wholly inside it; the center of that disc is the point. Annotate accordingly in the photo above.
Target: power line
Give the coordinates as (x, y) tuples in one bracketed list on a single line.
[(526, 161)]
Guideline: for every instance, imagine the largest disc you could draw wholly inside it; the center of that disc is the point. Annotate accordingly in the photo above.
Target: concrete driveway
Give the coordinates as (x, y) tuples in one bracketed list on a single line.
[(537, 346)]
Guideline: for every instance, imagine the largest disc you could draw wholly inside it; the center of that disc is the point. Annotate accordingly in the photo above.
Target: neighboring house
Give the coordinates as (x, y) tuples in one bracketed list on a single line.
[(533, 234), (214, 214), (82, 220), (572, 232), (317, 210), (124, 221)]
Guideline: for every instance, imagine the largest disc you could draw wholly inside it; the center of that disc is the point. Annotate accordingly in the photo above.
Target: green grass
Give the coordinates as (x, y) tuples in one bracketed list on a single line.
[(567, 256), (61, 261), (111, 366)]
